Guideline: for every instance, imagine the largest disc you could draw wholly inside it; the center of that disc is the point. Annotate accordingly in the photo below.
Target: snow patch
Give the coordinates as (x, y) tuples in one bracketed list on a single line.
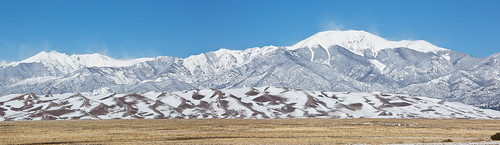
[(379, 65), (446, 56)]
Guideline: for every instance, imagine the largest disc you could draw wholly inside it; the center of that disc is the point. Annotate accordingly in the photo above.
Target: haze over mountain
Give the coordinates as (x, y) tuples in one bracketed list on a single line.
[(355, 61)]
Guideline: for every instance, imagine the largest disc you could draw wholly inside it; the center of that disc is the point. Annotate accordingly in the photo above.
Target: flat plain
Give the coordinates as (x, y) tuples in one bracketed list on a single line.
[(248, 131)]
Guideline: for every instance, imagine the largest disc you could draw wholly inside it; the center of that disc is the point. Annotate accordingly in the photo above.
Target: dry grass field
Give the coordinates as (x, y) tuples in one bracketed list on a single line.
[(248, 131)]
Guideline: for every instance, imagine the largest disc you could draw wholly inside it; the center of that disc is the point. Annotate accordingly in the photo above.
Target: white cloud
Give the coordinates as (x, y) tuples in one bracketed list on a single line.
[(103, 51), (327, 24), (27, 50), (374, 29), (3, 63), (331, 25), (92, 47)]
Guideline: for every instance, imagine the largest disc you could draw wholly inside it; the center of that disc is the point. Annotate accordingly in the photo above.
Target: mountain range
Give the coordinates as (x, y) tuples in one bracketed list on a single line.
[(334, 61)]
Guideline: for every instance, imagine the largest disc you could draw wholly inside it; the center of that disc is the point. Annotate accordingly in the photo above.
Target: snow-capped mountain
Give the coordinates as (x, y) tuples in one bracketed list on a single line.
[(56, 59), (259, 102), (354, 61), (359, 42)]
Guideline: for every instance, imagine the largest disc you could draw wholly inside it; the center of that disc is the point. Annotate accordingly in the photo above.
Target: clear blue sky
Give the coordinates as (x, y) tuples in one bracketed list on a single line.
[(130, 29)]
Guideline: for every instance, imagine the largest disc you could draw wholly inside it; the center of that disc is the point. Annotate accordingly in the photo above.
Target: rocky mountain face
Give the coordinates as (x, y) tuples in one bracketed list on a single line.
[(259, 102), (354, 61)]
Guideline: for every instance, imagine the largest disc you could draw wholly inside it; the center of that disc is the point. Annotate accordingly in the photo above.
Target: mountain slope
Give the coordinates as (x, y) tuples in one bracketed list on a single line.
[(333, 61), (261, 102)]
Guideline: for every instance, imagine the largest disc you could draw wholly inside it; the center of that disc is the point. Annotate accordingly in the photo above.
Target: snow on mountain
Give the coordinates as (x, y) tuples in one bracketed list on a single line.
[(98, 60), (53, 60), (56, 59), (331, 60), (379, 65), (260, 102), (224, 58), (359, 41)]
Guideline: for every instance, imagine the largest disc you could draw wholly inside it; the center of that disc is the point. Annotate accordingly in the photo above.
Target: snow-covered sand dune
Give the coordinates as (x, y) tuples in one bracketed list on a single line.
[(260, 102)]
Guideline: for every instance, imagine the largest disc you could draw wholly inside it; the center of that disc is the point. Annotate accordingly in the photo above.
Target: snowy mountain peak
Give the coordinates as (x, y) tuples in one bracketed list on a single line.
[(56, 59), (46, 56), (52, 58), (420, 45), (359, 41), (99, 60), (91, 56)]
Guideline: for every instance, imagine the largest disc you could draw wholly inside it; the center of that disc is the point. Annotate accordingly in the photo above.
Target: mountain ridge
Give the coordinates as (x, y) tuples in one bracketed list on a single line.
[(438, 73), (360, 41), (74, 61), (325, 38)]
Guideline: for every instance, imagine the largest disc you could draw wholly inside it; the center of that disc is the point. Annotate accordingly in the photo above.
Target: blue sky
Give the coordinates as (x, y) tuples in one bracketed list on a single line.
[(129, 29)]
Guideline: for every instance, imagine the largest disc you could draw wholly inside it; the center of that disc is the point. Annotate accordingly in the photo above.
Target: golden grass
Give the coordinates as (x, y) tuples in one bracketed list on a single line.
[(248, 131)]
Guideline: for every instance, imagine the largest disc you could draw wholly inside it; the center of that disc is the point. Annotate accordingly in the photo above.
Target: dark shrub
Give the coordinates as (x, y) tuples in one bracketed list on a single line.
[(496, 136), (447, 140)]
